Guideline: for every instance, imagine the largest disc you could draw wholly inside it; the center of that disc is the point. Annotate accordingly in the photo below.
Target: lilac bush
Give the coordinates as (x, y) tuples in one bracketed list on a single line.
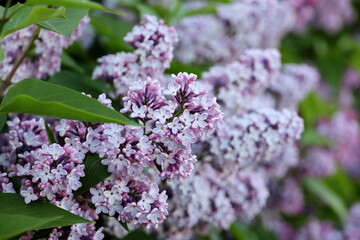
[(201, 121)]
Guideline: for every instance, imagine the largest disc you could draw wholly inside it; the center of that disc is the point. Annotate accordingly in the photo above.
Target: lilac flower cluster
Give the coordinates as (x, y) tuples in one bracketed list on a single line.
[(176, 122), (256, 136), (352, 227), (48, 49), (276, 167), (153, 43), (294, 83), (316, 229), (319, 230), (252, 146), (52, 171), (329, 15), (319, 162), (344, 130), (237, 85), (236, 27), (213, 198), (256, 24), (194, 45), (174, 118)]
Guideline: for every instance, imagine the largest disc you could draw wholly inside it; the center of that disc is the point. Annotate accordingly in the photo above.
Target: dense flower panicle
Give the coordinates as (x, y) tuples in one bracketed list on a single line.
[(250, 20), (80, 230), (242, 81), (319, 162), (305, 13), (52, 171), (282, 229), (236, 27), (131, 199), (352, 227), (48, 49), (315, 230), (294, 83), (176, 122), (195, 45), (153, 42), (283, 160), (193, 199), (211, 198), (248, 193), (329, 15), (119, 70), (256, 136), (46, 170), (344, 130), (291, 198)]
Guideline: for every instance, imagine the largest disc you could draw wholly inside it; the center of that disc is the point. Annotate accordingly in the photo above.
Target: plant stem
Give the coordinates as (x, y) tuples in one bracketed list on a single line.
[(7, 81), (4, 19)]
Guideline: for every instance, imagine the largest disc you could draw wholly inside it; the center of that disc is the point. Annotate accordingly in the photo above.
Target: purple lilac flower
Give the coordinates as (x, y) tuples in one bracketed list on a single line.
[(352, 227), (211, 198), (319, 162), (329, 15), (344, 130), (131, 199), (291, 199), (176, 122), (153, 43), (256, 136), (294, 83), (249, 22), (315, 230), (237, 84), (282, 161), (194, 44), (273, 222), (236, 27)]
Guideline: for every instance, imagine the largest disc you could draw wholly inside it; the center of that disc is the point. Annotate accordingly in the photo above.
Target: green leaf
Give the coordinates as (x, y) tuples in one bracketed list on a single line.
[(209, 9), (33, 96), (327, 196), (146, 9), (176, 67), (343, 185), (112, 32), (125, 226), (28, 15), (12, 225), (314, 107), (65, 26), (41, 215), (242, 232), (2, 54), (95, 172), (49, 133), (68, 61), (311, 138), (3, 117), (79, 82), (85, 4)]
